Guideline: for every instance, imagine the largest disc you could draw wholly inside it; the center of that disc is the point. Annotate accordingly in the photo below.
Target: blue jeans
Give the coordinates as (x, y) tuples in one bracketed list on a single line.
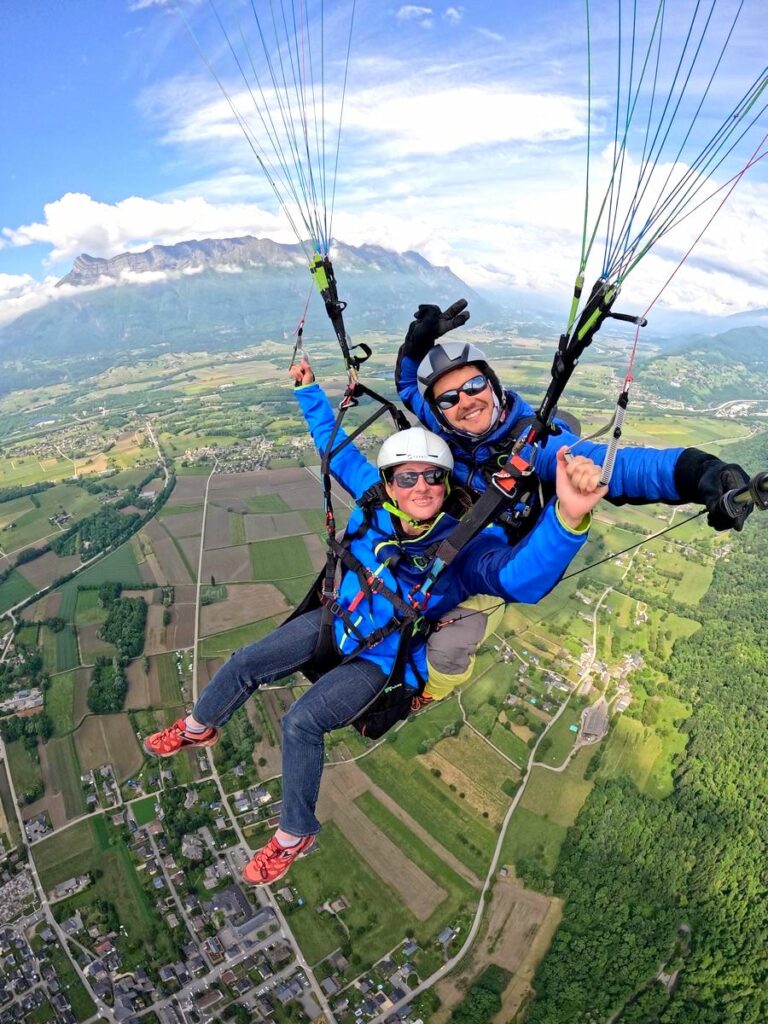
[(333, 701)]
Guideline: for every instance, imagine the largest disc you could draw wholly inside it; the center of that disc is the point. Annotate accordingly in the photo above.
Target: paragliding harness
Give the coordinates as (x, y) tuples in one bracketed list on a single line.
[(393, 702)]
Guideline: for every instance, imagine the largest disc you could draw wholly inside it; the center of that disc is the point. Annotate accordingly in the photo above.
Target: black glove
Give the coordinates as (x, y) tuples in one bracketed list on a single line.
[(429, 324), (705, 479)]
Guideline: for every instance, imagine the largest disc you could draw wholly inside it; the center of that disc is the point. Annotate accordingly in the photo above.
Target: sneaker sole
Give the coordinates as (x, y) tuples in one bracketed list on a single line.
[(280, 877), (186, 746)]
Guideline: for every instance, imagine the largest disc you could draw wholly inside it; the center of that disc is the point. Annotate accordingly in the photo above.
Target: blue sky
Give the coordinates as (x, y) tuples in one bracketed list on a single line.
[(464, 138)]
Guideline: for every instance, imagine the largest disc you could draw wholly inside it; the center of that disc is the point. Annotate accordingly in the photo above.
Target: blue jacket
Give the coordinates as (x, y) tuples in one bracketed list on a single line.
[(640, 475), (487, 565)]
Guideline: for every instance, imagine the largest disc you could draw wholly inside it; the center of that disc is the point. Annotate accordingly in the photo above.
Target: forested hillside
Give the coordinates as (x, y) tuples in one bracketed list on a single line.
[(680, 882)]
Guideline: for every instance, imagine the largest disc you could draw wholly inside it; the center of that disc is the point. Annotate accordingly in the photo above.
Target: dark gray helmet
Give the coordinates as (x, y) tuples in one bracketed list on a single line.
[(450, 355)]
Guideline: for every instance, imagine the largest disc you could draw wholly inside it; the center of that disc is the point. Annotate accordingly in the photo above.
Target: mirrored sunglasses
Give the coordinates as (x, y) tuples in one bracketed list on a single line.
[(409, 478), (470, 387)]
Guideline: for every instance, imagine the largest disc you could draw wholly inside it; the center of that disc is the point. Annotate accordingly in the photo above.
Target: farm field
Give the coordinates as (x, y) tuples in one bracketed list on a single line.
[(221, 645), (31, 520), (25, 769), (59, 649), (433, 806), (473, 770), (108, 738), (375, 917), (510, 744), (458, 892), (245, 603), (7, 808), (60, 702), (62, 775), (559, 795), (89, 610), (560, 738), (13, 590), (118, 567), (281, 558)]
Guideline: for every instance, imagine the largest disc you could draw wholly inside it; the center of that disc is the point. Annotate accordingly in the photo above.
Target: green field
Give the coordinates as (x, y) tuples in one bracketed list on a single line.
[(27, 634), (267, 503), (89, 609), (59, 649), (510, 744), (177, 510), (561, 739), (432, 805), (281, 558), (59, 702), (646, 754), (25, 769), (118, 567), (168, 676), (236, 528), (559, 795), (459, 892), (376, 918), (32, 524), (491, 679), (65, 770), (221, 645), (14, 590), (532, 838), (294, 591), (8, 806), (144, 810), (425, 727)]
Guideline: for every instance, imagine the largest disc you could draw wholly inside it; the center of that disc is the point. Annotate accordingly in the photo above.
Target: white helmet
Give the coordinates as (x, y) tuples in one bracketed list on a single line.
[(414, 445)]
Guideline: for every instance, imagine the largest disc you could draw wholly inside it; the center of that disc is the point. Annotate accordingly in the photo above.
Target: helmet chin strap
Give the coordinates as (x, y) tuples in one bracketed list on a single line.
[(420, 525)]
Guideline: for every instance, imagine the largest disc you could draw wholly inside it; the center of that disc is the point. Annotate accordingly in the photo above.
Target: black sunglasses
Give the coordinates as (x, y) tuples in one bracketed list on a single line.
[(470, 387), (410, 477)]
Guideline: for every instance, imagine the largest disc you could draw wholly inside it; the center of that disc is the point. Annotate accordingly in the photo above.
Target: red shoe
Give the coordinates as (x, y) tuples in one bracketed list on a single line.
[(421, 700), (272, 861), (175, 738)]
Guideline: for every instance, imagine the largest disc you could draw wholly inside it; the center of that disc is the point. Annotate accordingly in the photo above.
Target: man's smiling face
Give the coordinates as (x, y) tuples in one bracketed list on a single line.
[(472, 414)]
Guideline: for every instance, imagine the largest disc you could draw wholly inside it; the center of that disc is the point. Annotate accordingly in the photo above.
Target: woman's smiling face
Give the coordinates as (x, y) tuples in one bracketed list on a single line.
[(422, 500)]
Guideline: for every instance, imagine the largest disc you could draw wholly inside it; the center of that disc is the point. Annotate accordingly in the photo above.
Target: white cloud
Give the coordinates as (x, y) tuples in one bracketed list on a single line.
[(77, 223), (486, 33), (453, 15), (141, 5), (411, 12)]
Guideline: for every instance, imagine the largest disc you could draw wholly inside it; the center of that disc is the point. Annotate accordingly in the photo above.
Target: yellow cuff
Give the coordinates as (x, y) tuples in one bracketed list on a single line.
[(583, 526)]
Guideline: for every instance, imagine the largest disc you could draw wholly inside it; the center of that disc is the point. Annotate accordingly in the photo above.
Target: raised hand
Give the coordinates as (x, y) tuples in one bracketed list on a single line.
[(430, 323)]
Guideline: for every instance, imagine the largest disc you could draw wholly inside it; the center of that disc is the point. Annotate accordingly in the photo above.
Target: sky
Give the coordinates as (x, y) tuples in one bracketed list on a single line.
[(464, 136)]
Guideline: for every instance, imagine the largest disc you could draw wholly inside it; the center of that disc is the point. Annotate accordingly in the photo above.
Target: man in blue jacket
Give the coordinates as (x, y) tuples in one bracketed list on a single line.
[(453, 390)]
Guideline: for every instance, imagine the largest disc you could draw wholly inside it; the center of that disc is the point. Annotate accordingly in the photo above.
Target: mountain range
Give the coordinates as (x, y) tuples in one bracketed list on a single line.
[(224, 294)]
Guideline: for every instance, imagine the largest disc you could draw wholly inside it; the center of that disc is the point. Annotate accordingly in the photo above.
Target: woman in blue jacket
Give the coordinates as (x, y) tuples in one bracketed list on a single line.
[(392, 542)]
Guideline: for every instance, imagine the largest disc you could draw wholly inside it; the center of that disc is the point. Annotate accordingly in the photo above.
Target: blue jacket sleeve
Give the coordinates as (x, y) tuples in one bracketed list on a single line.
[(639, 474), (408, 392), (349, 467), (525, 573)]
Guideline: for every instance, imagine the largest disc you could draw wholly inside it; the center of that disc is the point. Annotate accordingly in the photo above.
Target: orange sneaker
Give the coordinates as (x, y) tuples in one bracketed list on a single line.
[(272, 861), (421, 700), (175, 738)]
